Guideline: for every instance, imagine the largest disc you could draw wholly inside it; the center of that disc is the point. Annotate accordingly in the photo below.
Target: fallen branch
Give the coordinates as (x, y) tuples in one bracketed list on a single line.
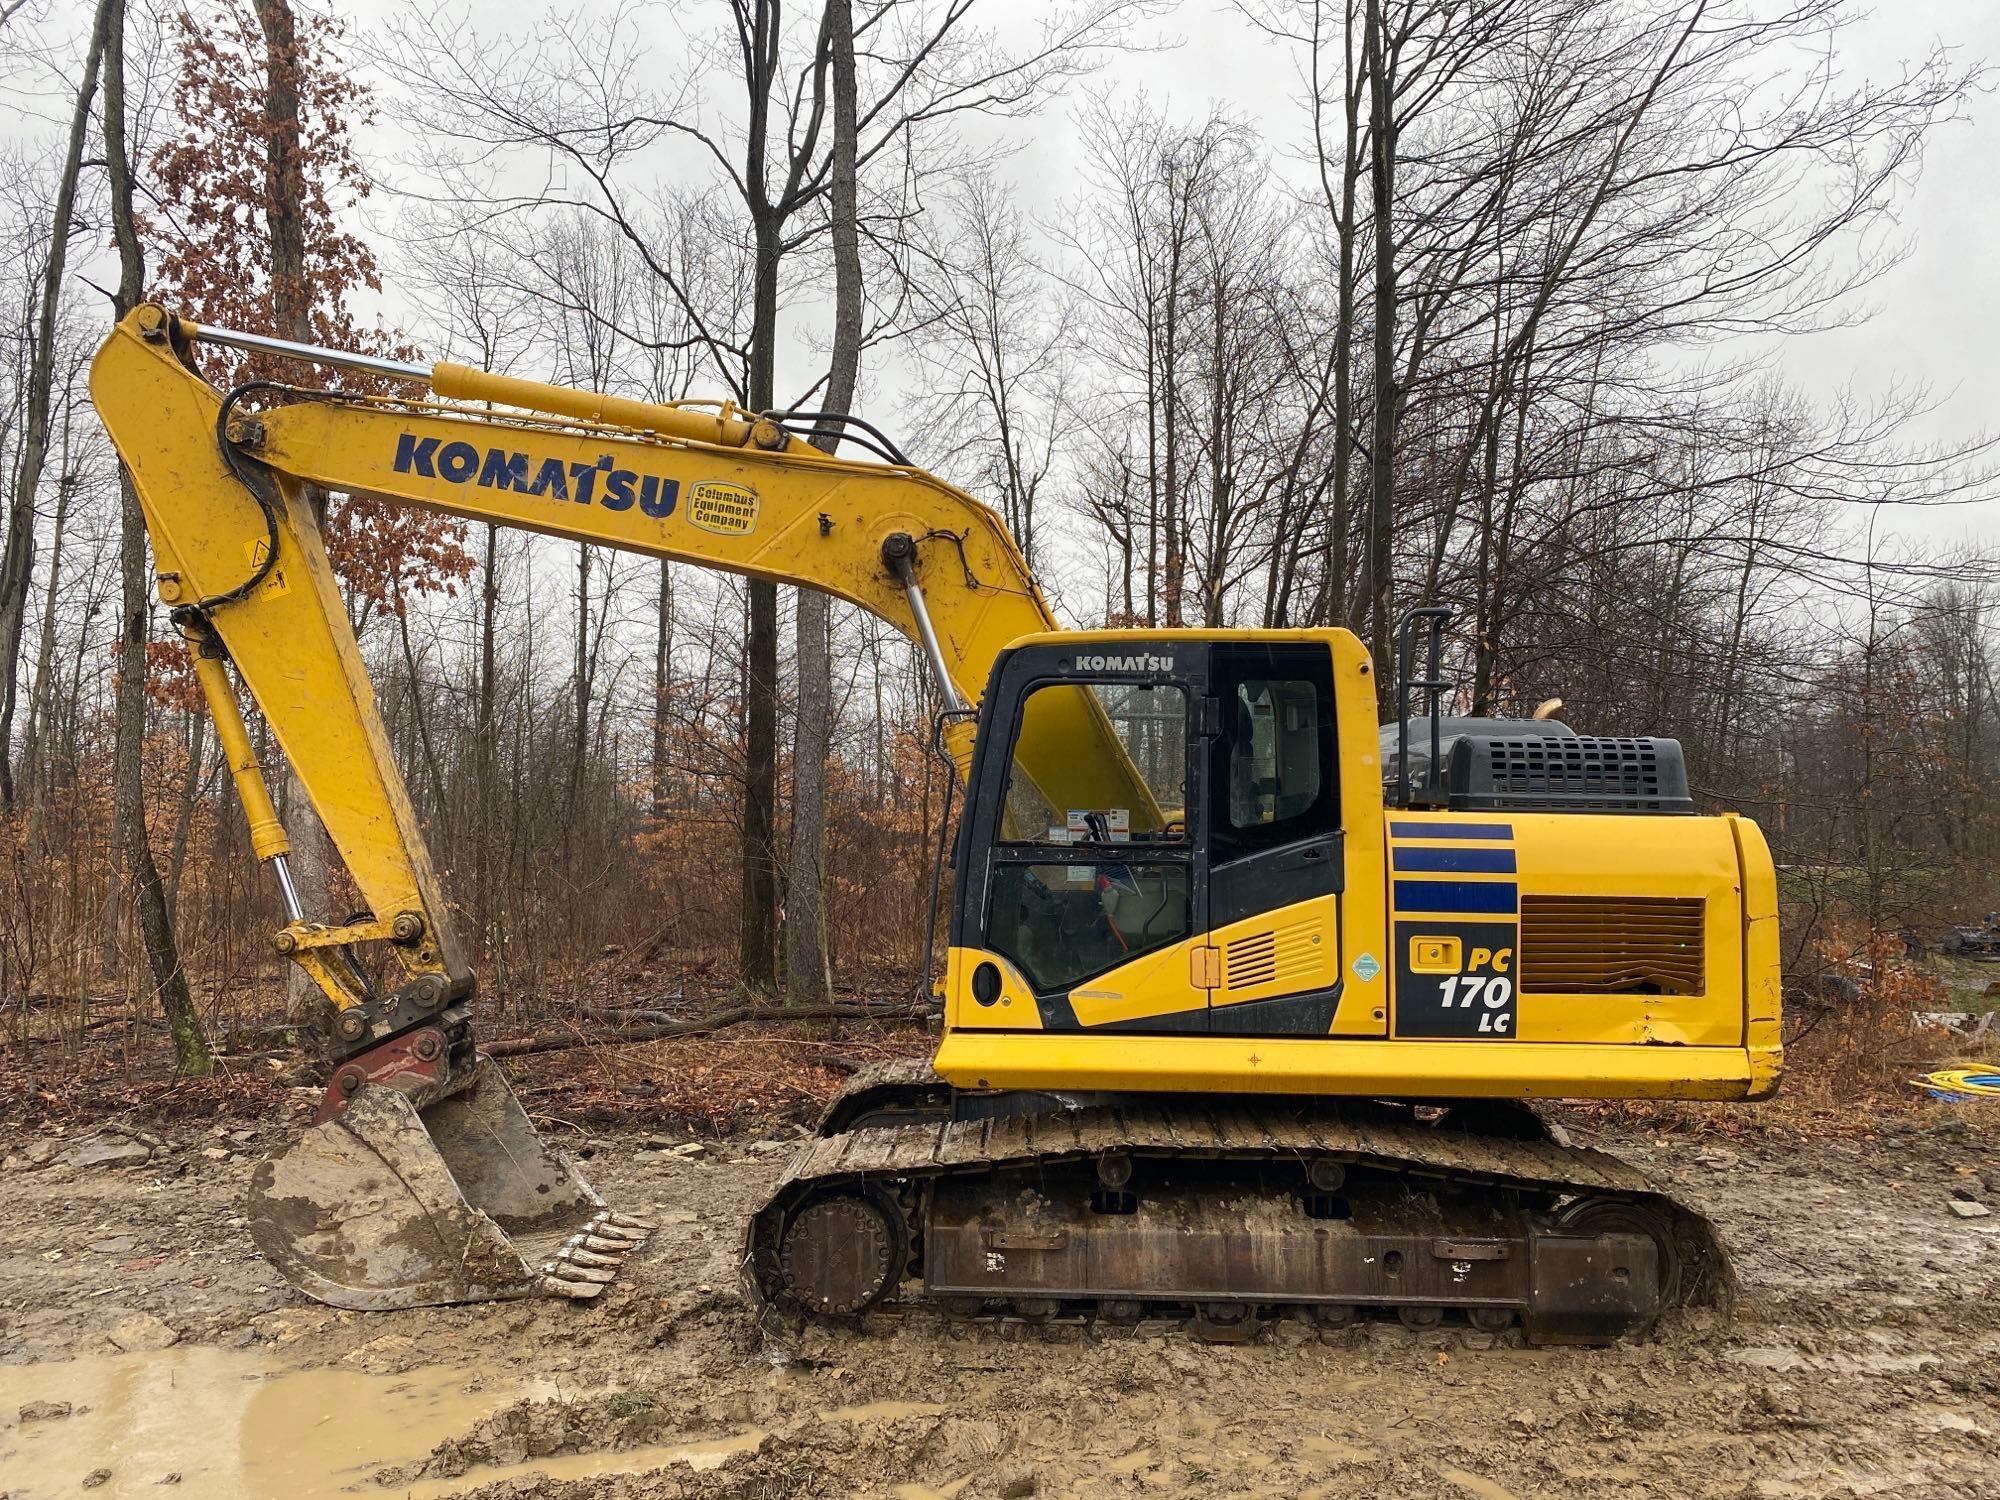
[(618, 1015), (733, 1015)]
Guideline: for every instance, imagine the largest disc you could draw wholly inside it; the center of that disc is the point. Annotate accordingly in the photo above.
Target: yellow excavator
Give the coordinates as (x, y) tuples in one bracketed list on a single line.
[(1245, 993)]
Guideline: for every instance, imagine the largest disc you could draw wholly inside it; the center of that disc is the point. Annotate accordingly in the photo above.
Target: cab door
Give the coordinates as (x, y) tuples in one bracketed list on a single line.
[(1271, 839), (1098, 905)]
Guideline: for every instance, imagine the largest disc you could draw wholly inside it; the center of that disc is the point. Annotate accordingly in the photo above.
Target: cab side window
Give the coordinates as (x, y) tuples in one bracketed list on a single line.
[(1275, 770)]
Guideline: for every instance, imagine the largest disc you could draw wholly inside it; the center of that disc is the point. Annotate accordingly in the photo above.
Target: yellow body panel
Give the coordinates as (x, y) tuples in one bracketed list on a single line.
[(1304, 953), (1763, 988), (1580, 854), (1383, 1069), (1015, 1010)]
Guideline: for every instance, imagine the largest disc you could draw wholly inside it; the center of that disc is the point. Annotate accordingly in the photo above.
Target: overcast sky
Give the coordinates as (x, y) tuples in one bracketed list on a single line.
[(1938, 314), (1936, 317)]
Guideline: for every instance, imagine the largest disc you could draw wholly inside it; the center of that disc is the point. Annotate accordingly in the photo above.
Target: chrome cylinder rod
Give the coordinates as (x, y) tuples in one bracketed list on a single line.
[(947, 689), (258, 343), (282, 867), (899, 551)]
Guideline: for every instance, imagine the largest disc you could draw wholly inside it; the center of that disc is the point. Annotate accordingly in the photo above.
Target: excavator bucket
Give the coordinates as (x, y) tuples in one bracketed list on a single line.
[(395, 1202)]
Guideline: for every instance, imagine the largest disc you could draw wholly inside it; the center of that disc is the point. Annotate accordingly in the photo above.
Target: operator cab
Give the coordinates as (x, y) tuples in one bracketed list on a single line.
[(1128, 800)]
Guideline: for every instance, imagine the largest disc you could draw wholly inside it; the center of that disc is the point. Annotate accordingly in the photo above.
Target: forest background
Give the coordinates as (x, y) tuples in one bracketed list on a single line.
[(1631, 329)]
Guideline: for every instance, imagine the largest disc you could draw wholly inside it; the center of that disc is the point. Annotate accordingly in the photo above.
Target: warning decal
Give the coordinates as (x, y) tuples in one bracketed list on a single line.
[(274, 583)]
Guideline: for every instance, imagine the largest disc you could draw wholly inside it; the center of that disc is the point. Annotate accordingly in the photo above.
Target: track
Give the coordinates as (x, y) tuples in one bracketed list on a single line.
[(1222, 1214)]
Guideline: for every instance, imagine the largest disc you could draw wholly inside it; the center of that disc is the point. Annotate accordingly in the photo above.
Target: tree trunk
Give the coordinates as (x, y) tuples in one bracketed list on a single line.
[(806, 960), (284, 176), (579, 746), (757, 953), (483, 750), (1336, 609), (1382, 434), (663, 656), (191, 789), (807, 973), (41, 687), (1173, 559), (156, 926), (17, 559), (756, 936), (291, 318)]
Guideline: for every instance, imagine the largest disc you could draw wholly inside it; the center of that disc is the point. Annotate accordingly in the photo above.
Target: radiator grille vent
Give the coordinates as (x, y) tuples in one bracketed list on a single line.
[(1611, 945), (1569, 773)]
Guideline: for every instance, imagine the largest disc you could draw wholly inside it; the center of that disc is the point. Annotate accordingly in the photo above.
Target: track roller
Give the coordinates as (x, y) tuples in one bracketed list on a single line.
[(1227, 1322)]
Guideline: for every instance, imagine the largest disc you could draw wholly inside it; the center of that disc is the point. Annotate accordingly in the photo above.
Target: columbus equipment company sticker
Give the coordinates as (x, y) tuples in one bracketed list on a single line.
[(725, 509)]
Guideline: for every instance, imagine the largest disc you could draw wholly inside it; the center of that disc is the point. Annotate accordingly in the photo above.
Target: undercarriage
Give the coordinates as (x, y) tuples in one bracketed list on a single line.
[(1222, 1213)]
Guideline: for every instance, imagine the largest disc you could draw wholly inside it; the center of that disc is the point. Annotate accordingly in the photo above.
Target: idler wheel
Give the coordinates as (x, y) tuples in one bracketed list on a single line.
[(841, 1255), (1615, 1216)]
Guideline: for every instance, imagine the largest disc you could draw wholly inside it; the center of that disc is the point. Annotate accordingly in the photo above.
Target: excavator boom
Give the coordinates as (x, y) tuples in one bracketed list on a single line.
[(422, 1180)]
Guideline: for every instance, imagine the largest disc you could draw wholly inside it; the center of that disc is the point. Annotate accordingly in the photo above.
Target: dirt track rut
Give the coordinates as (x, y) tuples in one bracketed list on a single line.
[(1864, 1360)]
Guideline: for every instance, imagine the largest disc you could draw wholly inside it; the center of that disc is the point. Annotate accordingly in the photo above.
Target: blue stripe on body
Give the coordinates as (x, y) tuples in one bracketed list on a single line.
[(1498, 896), (1502, 831), (1455, 861)]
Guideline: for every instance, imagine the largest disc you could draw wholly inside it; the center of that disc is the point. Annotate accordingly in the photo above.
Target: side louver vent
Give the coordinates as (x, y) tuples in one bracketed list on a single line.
[(1611, 945), (1251, 960), (1295, 955)]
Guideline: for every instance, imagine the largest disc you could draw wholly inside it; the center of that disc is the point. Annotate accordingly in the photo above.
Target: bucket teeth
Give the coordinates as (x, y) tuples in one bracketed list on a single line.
[(576, 1255), (612, 1227), (642, 1227), (576, 1291), (589, 1260), (577, 1272)]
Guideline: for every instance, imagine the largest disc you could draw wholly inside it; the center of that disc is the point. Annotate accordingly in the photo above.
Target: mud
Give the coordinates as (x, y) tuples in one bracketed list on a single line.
[(1864, 1359)]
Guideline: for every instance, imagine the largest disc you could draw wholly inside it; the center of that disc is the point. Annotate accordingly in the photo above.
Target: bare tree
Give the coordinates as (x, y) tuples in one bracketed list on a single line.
[(17, 557), (149, 897), (601, 120)]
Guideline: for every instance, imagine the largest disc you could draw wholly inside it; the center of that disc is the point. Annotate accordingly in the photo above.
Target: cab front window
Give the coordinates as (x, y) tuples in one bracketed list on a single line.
[(1059, 792), (1092, 867)]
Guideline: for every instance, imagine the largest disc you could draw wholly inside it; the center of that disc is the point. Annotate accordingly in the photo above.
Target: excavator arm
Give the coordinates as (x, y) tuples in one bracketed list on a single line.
[(223, 480), (241, 563)]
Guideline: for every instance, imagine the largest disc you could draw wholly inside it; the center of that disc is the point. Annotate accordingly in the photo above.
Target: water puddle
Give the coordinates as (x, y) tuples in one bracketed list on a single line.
[(883, 1411), (698, 1456), (227, 1425), (1875, 1362), (1322, 1446), (1477, 1484), (925, 1492)]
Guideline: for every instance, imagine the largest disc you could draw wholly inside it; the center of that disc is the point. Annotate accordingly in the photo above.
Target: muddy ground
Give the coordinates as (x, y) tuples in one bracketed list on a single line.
[(1864, 1358)]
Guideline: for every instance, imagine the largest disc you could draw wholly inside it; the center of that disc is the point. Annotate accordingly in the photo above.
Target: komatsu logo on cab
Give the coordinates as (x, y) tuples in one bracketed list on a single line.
[(503, 469), (1137, 662)]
